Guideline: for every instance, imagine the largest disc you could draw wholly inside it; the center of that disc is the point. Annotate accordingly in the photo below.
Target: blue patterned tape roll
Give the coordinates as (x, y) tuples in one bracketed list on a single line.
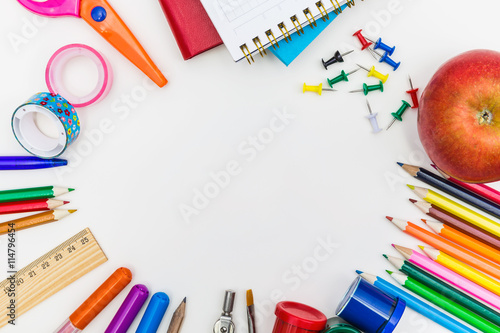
[(26, 122)]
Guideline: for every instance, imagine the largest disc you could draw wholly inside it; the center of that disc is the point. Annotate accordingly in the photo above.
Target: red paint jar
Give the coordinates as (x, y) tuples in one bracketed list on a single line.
[(292, 317)]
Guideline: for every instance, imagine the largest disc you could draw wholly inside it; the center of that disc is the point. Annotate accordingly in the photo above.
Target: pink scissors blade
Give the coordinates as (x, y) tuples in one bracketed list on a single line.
[(53, 8)]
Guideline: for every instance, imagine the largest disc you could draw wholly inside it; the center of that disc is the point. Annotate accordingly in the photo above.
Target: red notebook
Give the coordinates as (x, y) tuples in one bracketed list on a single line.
[(193, 30)]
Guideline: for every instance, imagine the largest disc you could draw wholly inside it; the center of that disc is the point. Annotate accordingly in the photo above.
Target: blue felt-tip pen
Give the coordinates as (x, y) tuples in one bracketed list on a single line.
[(154, 313), (29, 163)]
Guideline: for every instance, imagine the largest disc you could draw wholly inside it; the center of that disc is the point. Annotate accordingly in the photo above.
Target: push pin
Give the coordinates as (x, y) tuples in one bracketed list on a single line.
[(225, 323), (374, 73), (362, 40), (399, 114), (337, 57), (366, 89), (385, 58), (317, 89), (384, 47), (341, 77), (413, 94), (373, 119)]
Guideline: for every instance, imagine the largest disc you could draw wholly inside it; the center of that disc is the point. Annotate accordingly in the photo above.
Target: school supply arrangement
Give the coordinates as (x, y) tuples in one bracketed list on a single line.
[(459, 269)]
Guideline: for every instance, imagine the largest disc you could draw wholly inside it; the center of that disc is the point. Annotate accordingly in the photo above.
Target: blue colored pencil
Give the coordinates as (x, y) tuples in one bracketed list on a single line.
[(417, 305)]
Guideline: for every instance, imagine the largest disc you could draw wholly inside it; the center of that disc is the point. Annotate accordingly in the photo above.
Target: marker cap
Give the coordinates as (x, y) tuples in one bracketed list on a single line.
[(101, 298), (128, 310), (154, 313), (370, 309)]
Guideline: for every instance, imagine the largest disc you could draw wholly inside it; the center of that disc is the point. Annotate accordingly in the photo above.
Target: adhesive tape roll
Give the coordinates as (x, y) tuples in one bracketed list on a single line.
[(54, 71), (58, 112)]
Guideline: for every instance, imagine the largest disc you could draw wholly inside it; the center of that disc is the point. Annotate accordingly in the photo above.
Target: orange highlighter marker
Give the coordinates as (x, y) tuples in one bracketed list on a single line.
[(96, 302)]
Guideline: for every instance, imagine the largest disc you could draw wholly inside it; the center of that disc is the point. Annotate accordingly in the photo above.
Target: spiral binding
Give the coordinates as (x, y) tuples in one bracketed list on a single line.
[(297, 26)]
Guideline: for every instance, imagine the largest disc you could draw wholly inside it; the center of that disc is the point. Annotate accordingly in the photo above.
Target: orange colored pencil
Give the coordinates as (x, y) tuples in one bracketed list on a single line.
[(448, 247), (464, 240)]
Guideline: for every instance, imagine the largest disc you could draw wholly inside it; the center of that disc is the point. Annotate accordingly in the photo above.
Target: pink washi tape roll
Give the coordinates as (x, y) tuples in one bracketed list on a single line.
[(55, 67)]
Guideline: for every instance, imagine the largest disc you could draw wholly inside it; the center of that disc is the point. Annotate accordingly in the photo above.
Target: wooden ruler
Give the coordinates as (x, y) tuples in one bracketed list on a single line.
[(50, 273)]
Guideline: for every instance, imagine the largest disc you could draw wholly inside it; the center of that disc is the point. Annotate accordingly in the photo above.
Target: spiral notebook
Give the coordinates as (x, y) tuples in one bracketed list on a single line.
[(248, 27)]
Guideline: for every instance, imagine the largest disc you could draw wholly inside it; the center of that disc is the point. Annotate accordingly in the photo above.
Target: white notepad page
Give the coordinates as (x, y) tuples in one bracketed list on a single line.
[(240, 21)]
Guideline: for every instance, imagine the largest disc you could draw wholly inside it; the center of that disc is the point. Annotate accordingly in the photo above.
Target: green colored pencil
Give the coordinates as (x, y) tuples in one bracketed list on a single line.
[(444, 289), (445, 303), (33, 193)]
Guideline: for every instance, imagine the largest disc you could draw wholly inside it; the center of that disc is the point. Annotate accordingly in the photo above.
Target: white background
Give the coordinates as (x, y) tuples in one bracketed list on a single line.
[(324, 177)]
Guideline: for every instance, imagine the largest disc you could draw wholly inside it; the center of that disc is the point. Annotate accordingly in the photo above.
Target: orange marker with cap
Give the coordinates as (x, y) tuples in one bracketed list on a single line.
[(89, 309)]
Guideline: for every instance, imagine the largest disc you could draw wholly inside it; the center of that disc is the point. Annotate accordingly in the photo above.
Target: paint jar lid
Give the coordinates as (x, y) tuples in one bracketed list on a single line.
[(301, 316), (337, 325), (370, 309)]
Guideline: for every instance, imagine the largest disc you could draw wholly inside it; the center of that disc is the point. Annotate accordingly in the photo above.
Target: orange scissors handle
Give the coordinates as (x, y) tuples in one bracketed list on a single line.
[(102, 17)]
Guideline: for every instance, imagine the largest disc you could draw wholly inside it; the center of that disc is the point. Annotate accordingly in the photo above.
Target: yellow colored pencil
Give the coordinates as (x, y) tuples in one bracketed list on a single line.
[(455, 208), (464, 270)]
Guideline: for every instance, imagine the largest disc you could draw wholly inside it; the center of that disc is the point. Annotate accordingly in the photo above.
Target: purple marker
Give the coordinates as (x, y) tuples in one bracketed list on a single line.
[(128, 310)]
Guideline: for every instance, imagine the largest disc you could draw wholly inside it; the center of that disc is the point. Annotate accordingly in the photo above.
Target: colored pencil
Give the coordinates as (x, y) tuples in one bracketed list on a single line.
[(35, 220), (445, 303), (444, 289), (449, 247), (449, 276), (457, 209), (480, 189), (464, 240), (466, 271), (453, 189), (30, 206), (416, 304), (177, 318), (458, 223), (45, 192)]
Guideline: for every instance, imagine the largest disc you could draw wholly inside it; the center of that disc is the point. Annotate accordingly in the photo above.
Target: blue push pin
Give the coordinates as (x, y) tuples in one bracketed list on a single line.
[(385, 58), (384, 47)]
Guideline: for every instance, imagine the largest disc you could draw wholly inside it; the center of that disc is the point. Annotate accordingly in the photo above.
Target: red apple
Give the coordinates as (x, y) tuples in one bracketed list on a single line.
[(459, 117)]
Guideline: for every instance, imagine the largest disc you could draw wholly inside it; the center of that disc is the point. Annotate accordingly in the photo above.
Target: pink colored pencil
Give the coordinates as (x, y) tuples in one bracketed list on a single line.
[(449, 276), (483, 190)]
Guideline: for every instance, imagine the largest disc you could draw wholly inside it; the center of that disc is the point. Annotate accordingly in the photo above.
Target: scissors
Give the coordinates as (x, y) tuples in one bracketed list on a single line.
[(102, 17)]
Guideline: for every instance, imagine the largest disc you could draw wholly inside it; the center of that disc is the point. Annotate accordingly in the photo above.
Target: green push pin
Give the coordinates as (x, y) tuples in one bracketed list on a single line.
[(341, 77), (366, 89), (399, 114)]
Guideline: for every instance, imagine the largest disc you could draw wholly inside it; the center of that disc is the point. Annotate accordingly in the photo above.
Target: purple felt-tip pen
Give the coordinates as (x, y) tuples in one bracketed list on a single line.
[(128, 310), (29, 162)]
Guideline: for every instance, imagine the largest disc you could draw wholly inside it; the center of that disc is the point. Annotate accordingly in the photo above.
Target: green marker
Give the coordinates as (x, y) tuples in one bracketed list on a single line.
[(33, 193), (341, 77), (445, 303), (399, 114), (444, 289), (366, 89)]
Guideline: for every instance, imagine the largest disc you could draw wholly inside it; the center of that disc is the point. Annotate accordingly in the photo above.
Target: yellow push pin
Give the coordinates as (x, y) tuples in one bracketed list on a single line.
[(317, 89), (374, 73)]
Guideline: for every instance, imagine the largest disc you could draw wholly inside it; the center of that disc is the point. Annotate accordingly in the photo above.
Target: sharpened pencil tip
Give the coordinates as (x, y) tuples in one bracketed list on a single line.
[(412, 200), (65, 202), (400, 164), (184, 300), (385, 256), (359, 272), (71, 211), (393, 245), (411, 186), (434, 166), (424, 220), (71, 189), (388, 271), (421, 247), (389, 218)]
